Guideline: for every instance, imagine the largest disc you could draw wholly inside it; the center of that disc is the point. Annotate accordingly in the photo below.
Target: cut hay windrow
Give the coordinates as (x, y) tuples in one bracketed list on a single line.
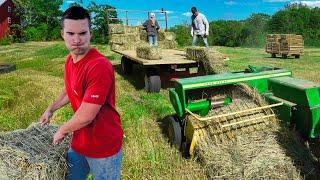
[(260, 148), (211, 59), (149, 52), (29, 154)]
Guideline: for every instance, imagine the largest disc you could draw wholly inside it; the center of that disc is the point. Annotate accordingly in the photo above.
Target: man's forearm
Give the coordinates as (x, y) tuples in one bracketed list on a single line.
[(82, 117), (61, 101)]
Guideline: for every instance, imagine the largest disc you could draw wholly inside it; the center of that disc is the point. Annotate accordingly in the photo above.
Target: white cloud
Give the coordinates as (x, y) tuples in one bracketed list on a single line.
[(70, 2), (309, 3), (275, 1), (230, 3), (188, 14)]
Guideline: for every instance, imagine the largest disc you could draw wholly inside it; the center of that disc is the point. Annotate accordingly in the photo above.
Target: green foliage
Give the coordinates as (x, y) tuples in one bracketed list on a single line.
[(183, 36), (5, 41)]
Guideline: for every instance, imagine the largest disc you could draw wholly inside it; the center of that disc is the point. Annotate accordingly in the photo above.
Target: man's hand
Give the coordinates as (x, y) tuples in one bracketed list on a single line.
[(45, 118), (191, 33), (58, 137)]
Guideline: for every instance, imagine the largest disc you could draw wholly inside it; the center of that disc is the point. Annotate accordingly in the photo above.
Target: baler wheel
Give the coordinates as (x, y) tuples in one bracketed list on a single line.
[(174, 131)]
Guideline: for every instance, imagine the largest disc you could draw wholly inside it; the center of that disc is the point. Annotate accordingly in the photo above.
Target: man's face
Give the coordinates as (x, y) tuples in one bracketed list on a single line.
[(76, 35), (194, 12)]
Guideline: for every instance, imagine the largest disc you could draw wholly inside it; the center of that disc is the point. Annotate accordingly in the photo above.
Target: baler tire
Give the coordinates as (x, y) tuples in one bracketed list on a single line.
[(174, 131), (5, 68)]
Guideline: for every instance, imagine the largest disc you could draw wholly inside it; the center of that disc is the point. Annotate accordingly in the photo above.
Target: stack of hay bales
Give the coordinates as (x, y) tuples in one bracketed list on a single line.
[(130, 37), (123, 37), (291, 43), (265, 150), (166, 40), (29, 154), (149, 52), (211, 59), (273, 44)]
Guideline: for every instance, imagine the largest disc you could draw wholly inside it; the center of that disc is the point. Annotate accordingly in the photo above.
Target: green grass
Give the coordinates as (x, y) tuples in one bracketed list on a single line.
[(26, 92)]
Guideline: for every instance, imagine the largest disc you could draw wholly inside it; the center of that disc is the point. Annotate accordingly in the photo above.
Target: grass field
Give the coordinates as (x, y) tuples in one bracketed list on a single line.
[(26, 92)]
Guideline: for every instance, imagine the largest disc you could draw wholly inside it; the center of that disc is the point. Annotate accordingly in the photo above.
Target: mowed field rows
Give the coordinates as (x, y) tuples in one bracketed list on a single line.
[(26, 92)]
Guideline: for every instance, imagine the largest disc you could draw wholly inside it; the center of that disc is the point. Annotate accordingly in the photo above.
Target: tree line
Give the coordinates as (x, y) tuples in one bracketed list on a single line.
[(40, 21), (251, 32)]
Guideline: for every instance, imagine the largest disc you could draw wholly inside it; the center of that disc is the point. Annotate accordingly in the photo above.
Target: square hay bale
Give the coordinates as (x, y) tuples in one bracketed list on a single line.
[(143, 35), (29, 154), (163, 35), (131, 29), (211, 59), (116, 29), (149, 52), (124, 38), (166, 44)]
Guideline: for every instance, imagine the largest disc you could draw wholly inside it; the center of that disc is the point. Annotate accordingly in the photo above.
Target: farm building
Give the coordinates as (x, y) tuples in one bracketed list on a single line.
[(7, 16)]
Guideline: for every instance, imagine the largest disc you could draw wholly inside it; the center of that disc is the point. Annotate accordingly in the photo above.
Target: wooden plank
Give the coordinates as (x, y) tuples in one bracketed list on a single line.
[(170, 56)]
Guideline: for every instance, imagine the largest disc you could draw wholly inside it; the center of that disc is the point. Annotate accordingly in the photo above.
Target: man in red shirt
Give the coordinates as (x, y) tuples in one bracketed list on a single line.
[(90, 89)]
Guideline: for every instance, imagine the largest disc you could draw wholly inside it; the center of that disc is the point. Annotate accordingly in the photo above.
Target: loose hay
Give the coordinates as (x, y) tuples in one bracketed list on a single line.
[(264, 150), (167, 44), (29, 154), (212, 60), (149, 52)]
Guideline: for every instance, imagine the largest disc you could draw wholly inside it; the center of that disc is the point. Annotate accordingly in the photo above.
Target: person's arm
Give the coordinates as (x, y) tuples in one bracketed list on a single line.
[(82, 117), (145, 24), (61, 101), (191, 26), (157, 25), (206, 24)]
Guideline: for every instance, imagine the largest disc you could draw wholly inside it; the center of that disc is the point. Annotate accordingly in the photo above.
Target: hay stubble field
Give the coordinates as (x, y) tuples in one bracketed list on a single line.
[(26, 92)]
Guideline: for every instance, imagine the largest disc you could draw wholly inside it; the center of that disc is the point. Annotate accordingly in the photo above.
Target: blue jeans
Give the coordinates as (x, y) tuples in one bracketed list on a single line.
[(153, 40), (101, 168), (195, 38)]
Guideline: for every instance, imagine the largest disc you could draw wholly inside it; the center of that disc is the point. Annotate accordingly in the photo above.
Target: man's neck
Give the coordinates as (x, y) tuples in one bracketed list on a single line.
[(77, 58)]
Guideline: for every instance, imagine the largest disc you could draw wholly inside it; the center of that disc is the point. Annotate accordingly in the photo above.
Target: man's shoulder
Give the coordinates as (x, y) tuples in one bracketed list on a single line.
[(99, 60)]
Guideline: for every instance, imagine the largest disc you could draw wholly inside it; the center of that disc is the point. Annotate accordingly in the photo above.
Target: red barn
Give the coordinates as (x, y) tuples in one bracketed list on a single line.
[(7, 16)]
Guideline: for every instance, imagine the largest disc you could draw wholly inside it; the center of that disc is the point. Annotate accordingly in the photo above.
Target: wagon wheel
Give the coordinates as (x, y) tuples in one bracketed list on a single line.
[(126, 65)]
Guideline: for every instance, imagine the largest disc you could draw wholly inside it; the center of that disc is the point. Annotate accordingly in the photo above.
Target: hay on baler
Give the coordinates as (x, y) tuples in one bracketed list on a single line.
[(266, 150), (149, 52), (29, 154)]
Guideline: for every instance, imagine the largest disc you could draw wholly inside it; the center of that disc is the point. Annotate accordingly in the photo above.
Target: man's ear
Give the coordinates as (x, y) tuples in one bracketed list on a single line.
[(61, 33), (91, 33)]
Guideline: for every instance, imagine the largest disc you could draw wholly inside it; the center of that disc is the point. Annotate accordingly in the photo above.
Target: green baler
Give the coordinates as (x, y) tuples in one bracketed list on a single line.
[(295, 101)]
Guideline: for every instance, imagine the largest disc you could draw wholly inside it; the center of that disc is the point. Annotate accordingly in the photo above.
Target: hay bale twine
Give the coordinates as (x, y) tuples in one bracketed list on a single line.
[(149, 52), (116, 29), (29, 154)]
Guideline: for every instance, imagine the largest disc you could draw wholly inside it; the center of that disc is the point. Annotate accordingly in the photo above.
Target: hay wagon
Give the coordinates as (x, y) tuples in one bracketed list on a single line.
[(173, 64), (284, 45)]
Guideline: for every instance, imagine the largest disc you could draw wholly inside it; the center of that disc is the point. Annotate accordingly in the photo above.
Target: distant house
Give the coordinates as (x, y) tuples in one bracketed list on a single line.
[(7, 16)]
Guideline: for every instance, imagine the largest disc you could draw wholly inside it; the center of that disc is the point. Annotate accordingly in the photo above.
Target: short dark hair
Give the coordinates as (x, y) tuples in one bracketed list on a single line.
[(75, 13), (194, 9)]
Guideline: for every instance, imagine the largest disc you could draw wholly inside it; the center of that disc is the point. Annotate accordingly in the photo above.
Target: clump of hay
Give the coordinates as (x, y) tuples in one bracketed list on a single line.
[(167, 44), (263, 150), (124, 38), (210, 59), (165, 35), (29, 154), (149, 52)]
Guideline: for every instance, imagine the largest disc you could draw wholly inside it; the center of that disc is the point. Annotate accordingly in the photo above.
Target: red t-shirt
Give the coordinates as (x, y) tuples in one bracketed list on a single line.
[(92, 80)]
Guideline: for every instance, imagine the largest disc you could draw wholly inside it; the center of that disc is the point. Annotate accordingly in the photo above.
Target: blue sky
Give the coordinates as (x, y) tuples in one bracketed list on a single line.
[(179, 10)]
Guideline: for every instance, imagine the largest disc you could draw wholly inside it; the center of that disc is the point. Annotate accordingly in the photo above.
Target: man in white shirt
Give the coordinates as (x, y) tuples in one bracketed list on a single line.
[(199, 27)]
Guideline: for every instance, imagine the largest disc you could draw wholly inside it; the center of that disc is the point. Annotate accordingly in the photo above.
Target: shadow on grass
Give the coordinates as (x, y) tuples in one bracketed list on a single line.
[(301, 154)]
